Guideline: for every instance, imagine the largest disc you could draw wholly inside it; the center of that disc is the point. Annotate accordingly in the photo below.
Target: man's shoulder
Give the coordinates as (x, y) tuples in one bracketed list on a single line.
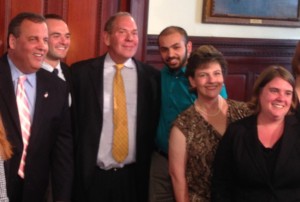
[(146, 67), (64, 65), (87, 63)]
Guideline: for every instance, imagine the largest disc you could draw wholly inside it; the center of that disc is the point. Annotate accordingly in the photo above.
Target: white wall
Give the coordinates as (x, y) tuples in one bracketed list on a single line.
[(188, 14)]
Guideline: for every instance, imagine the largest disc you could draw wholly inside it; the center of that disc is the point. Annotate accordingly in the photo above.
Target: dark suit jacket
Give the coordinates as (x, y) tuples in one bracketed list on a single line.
[(67, 74), (240, 171), (88, 93), (50, 145)]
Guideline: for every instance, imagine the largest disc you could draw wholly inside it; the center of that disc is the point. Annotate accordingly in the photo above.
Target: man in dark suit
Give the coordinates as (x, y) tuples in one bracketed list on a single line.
[(99, 176), (59, 43), (49, 146)]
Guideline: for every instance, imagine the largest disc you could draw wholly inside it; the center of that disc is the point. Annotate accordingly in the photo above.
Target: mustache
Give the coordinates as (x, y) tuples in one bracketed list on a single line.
[(171, 58)]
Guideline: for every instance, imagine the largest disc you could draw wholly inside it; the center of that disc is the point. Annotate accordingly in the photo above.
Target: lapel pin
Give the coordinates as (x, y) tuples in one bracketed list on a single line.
[(46, 95)]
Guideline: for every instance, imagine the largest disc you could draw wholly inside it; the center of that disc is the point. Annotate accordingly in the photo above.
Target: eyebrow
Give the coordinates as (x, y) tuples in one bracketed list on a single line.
[(175, 44)]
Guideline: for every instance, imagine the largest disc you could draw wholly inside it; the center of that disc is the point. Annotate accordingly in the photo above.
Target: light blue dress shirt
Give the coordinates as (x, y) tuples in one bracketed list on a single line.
[(30, 85)]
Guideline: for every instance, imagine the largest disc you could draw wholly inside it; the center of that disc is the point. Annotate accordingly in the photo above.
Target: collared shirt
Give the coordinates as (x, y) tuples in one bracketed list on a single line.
[(105, 159), (175, 98), (30, 85), (49, 68)]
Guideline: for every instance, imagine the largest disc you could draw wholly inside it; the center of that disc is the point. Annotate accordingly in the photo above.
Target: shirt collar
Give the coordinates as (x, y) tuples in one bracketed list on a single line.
[(16, 73), (179, 72), (127, 64), (49, 68)]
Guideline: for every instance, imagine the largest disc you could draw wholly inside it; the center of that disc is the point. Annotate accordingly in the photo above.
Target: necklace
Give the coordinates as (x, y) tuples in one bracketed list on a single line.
[(201, 111)]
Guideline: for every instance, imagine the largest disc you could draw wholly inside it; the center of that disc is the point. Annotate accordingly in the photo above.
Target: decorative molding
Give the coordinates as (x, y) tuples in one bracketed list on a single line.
[(246, 58), (240, 46), (99, 26)]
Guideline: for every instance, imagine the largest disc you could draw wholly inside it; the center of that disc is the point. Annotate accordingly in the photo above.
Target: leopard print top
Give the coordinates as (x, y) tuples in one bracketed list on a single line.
[(201, 144)]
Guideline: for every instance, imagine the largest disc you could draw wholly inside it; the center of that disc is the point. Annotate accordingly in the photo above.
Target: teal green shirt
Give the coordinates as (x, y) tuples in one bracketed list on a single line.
[(175, 98)]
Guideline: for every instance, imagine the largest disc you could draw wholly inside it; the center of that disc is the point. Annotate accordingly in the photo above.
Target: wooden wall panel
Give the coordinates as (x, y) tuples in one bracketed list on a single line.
[(246, 59), (59, 7), (139, 10), (3, 25), (82, 21), (86, 19), (36, 6), (237, 82)]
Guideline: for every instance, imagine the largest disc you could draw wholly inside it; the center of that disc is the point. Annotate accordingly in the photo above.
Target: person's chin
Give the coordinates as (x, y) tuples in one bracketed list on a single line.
[(174, 67)]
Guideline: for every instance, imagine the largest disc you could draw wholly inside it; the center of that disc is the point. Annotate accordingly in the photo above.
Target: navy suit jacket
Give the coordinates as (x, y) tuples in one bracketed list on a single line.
[(50, 146), (240, 171), (87, 82)]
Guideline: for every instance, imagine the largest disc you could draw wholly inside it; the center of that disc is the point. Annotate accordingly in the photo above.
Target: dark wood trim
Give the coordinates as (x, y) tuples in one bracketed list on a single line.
[(59, 7), (105, 10), (246, 58), (139, 10)]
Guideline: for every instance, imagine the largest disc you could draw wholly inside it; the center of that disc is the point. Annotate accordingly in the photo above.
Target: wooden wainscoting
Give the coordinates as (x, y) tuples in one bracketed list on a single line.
[(246, 59)]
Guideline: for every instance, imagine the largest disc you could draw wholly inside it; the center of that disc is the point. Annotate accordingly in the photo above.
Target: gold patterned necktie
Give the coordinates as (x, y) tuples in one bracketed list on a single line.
[(120, 139)]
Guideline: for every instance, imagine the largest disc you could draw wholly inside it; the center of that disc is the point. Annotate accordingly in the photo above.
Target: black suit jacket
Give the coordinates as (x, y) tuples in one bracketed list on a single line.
[(50, 146), (67, 74), (88, 93), (240, 171)]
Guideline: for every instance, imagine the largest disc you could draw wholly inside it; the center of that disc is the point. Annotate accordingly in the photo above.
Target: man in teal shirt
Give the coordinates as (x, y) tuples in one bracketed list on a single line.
[(175, 49)]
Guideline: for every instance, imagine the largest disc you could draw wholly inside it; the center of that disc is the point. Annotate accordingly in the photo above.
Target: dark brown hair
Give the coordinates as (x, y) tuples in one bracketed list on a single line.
[(15, 23), (53, 16), (203, 55), (173, 29)]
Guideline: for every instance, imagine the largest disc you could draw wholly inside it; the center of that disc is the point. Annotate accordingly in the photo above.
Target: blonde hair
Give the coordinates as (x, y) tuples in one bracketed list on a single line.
[(5, 146)]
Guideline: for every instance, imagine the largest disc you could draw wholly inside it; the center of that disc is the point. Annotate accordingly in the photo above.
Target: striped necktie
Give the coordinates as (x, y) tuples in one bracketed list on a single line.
[(120, 139), (24, 116)]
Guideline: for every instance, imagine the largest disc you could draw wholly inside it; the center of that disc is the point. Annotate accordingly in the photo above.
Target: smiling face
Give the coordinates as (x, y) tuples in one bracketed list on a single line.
[(122, 40), (208, 80), (59, 39), (28, 50), (173, 50), (275, 99)]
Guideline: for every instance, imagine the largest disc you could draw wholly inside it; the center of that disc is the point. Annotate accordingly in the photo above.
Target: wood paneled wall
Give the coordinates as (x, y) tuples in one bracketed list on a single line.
[(246, 59), (86, 19)]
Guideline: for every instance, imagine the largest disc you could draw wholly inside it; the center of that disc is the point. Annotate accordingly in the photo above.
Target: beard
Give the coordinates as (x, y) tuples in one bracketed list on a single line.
[(182, 63)]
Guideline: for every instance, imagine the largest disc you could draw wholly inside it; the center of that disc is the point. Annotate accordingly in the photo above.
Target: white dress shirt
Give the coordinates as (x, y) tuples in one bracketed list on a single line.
[(105, 159), (49, 68)]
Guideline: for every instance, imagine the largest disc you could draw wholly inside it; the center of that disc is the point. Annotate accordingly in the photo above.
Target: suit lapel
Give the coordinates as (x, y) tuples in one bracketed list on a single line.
[(96, 75), (8, 93), (41, 94), (66, 73), (141, 102)]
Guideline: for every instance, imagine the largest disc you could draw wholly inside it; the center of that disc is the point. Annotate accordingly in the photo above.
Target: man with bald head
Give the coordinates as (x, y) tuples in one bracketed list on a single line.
[(102, 174)]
